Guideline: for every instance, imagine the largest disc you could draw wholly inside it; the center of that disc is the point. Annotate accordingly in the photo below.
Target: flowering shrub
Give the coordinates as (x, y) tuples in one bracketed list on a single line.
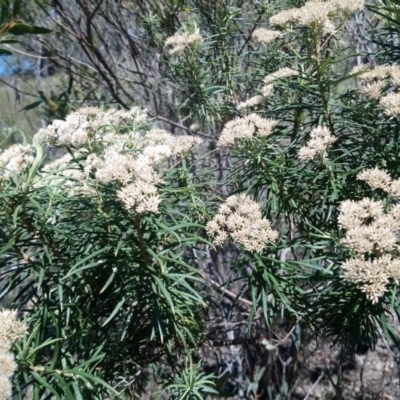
[(321, 158), (324, 142), (120, 245), (93, 239)]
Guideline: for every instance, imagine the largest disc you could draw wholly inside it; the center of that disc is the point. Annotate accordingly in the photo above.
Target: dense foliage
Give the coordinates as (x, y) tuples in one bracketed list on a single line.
[(268, 211)]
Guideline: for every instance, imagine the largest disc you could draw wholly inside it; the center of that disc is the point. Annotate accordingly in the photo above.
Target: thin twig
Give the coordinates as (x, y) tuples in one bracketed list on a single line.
[(230, 295), (314, 385), (180, 126)]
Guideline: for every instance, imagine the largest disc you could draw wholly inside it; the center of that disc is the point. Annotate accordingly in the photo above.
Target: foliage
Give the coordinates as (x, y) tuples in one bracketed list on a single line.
[(296, 184), (107, 296), (388, 38), (11, 26), (191, 384)]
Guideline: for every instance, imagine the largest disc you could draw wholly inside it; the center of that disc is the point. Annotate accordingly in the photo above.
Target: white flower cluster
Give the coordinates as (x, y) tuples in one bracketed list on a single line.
[(374, 89), (280, 74), (88, 123), (251, 102), (245, 128), (268, 88), (372, 276), (378, 73), (139, 191), (317, 14), (180, 41), (391, 104), (321, 138), (376, 80), (240, 218), (372, 235), (177, 144), (10, 330), (379, 179), (16, 159), (266, 36), (368, 228), (128, 159)]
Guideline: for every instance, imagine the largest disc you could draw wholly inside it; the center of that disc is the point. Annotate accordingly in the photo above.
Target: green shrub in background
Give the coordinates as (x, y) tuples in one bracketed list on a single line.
[(109, 246)]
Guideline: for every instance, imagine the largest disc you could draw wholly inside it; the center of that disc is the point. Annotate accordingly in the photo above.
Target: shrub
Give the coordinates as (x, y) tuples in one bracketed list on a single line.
[(118, 247)]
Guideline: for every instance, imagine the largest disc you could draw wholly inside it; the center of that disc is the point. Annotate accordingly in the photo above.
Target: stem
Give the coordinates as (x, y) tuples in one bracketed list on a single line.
[(31, 228), (321, 87), (24, 256), (324, 98), (140, 237), (327, 166)]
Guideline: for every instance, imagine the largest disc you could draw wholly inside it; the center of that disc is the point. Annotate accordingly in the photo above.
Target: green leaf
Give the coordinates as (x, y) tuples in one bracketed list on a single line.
[(19, 28), (108, 283), (64, 386), (31, 106), (161, 286), (89, 377), (45, 384), (74, 269), (4, 52), (116, 309)]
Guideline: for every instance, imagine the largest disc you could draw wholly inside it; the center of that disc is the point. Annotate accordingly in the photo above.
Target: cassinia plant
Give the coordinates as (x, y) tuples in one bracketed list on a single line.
[(94, 241), (107, 248)]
